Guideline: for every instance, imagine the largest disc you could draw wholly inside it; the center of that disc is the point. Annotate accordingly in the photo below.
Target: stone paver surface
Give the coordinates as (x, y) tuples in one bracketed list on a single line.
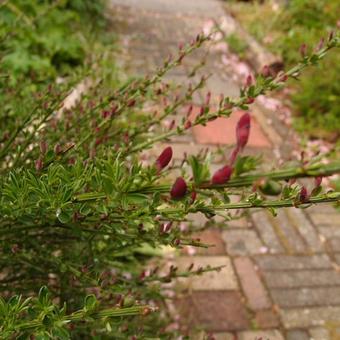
[(281, 277)]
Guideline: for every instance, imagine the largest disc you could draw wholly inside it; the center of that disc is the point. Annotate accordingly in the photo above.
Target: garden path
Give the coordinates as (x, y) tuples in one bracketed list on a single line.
[(281, 278)]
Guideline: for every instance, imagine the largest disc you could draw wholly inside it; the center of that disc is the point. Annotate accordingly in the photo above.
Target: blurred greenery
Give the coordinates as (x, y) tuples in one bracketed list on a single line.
[(283, 30), (49, 43)]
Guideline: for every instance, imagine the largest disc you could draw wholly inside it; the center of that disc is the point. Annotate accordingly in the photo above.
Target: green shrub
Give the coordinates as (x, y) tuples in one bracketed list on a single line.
[(85, 217)]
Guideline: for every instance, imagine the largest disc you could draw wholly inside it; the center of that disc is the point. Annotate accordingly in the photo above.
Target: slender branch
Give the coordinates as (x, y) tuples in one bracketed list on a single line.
[(325, 198), (241, 181)]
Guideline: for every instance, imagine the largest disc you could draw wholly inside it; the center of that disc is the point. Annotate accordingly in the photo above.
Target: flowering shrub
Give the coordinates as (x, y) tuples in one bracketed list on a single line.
[(81, 214)]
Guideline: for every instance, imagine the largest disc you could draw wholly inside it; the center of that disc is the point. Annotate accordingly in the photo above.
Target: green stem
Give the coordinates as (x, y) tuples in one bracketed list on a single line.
[(326, 198), (238, 182), (81, 315)]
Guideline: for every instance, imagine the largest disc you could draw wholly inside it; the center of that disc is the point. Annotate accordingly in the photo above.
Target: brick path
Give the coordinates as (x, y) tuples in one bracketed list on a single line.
[(281, 277)]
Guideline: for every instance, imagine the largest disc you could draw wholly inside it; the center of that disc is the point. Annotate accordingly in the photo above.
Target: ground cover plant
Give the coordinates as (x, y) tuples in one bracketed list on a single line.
[(83, 211), (283, 30)]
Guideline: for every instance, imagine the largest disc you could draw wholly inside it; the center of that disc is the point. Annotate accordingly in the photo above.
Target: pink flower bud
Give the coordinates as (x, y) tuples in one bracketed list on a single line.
[(202, 109), (190, 108), (43, 147), (266, 71), (318, 181), (320, 44), (114, 109), (207, 98), (331, 36), (222, 175), (164, 158), (193, 197), (243, 130), (172, 124), (303, 195), (39, 164), (303, 50), (249, 80), (179, 189), (57, 149)]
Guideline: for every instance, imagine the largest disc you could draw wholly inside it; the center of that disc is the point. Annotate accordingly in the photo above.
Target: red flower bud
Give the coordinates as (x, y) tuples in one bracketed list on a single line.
[(187, 125), (318, 181), (106, 114), (179, 189), (222, 175), (234, 155), (131, 102), (303, 195), (164, 158), (250, 100), (243, 130)]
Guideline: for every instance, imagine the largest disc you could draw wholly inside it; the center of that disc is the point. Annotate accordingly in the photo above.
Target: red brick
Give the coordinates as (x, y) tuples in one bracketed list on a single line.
[(217, 311), (266, 319), (252, 286), (222, 131)]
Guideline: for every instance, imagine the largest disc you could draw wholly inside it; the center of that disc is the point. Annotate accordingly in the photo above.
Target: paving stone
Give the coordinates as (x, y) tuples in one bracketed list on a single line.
[(297, 334), (329, 231), (222, 131), (337, 258), (335, 244), (226, 86), (242, 242), (224, 336), (180, 149), (302, 278), (218, 311), (305, 317), (188, 7), (331, 219), (301, 222), (257, 335), (317, 333), (224, 279), (265, 229), (282, 262), (253, 288), (324, 209), (266, 319), (304, 297), (287, 233), (239, 223), (213, 237)]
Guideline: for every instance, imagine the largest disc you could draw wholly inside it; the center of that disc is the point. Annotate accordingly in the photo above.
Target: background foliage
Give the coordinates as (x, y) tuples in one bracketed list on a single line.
[(283, 30)]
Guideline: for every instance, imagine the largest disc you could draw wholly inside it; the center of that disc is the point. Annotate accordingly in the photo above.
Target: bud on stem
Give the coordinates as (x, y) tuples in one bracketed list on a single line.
[(164, 158), (179, 189)]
